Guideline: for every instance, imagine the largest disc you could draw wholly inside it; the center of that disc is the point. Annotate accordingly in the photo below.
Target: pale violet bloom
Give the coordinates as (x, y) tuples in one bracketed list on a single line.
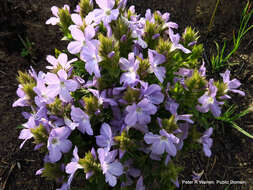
[(232, 85), (131, 66), (106, 13), (80, 117), (209, 102), (60, 85), (156, 59), (175, 42), (61, 61), (207, 142), (105, 139), (58, 143), (81, 39), (91, 57), (26, 133), (152, 92), (73, 166), (111, 168), (55, 20), (164, 142), (23, 98), (139, 184), (140, 113)]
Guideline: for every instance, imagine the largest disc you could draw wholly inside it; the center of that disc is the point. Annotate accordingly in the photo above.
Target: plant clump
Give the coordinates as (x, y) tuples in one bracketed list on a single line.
[(114, 110)]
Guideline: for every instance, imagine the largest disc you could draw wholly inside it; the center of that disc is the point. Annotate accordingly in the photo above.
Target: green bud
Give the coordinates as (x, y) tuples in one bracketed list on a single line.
[(58, 108), (89, 163), (124, 141), (40, 136), (170, 124), (28, 83), (190, 35), (221, 88), (131, 95), (143, 68), (91, 104), (65, 21), (196, 82), (164, 47), (85, 7), (150, 30), (52, 171)]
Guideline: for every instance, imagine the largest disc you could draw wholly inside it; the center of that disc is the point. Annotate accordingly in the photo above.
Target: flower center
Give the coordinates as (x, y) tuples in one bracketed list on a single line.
[(163, 138), (138, 110), (54, 140), (210, 100), (108, 12)]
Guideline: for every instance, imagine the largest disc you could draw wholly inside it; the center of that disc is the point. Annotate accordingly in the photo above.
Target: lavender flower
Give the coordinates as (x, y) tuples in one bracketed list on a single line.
[(61, 61), (81, 39), (172, 106), (164, 142), (78, 116), (23, 98), (231, 84), (131, 65), (58, 143), (139, 184), (156, 59), (207, 141), (106, 13), (73, 166), (140, 113), (111, 168), (26, 133), (56, 19), (209, 101), (152, 93), (175, 42), (91, 57), (59, 84), (105, 139)]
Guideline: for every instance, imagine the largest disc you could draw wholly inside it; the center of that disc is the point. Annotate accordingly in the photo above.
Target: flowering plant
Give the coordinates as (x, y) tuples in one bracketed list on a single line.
[(131, 97)]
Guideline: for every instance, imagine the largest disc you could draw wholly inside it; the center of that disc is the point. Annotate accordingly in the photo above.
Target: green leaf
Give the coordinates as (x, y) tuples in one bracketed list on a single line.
[(241, 130)]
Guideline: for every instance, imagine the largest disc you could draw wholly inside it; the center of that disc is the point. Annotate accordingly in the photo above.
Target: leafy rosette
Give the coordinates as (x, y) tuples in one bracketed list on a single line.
[(114, 110)]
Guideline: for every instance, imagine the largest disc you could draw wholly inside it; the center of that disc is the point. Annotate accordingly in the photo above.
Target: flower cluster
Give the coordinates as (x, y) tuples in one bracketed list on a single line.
[(122, 107)]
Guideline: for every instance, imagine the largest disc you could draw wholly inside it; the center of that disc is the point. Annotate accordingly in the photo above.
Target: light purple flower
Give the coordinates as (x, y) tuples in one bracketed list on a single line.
[(63, 187), (207, 141), (140, 113), (131, 65), (23, 98), (26, 133), (55, 20), (209, 101), (164, 142), (231, 84), (152, 93), (77, 19), (73, 166), (106, 13), (80, 117), (102, 99), (172, 106), (91, 57), (111, 168), (81, 39), (58, 143), (105, 139), (156, 59), (175, 42), (139, 184), (62, 61), (59, 84)]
